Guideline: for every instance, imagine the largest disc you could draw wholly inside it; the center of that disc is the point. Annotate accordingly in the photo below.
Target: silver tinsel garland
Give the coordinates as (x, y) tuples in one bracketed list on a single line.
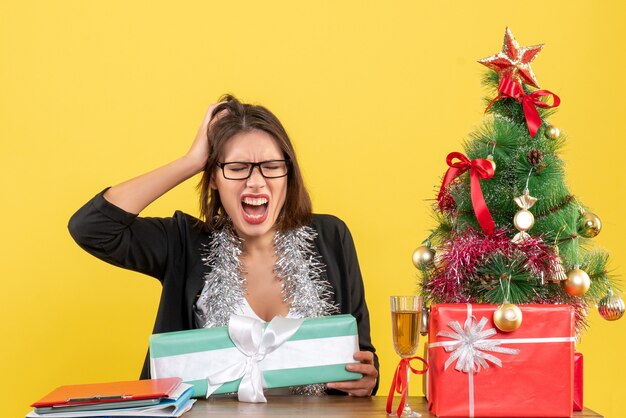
[(298, 266), (224, 285)]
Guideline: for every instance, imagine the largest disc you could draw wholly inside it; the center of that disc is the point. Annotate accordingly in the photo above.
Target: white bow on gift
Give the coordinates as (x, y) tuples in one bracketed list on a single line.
[(471, 345), (254, 341)]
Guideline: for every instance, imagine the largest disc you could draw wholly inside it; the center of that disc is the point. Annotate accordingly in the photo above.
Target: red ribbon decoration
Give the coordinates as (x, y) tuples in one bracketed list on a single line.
[(400, 382), (513, 89), (479, 168)]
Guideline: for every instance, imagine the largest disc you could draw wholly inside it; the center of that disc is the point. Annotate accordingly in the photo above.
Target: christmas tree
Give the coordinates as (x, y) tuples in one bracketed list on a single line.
[(509, 231)]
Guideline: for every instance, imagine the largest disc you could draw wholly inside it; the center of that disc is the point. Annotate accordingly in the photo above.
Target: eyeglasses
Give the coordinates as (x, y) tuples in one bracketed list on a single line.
[(271, 169)]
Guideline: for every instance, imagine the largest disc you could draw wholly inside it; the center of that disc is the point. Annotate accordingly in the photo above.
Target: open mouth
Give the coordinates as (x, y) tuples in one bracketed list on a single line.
[(254, 208)]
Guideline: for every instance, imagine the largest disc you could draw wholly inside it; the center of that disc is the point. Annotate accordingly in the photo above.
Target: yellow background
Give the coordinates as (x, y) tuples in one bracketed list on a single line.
[(374, 95)]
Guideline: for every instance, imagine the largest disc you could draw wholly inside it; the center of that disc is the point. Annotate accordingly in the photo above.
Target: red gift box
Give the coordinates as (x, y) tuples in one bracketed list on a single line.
[(578, 382), (524, 373)]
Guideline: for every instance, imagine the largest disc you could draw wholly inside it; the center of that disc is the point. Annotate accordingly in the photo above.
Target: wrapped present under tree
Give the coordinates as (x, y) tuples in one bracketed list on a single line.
[(477, 370)]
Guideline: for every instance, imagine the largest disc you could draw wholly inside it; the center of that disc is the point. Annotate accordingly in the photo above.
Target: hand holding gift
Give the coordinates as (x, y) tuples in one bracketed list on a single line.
[(365, 385)]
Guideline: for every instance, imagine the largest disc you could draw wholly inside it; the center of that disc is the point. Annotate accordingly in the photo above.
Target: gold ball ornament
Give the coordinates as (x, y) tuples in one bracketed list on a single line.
[(577, 282), (423, 256), (611, 307), (508, 317), (589, 225), (552, 132), (523, 220)]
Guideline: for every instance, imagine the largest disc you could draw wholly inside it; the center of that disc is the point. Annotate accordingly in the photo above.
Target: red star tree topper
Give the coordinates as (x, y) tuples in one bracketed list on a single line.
[(514, 60)]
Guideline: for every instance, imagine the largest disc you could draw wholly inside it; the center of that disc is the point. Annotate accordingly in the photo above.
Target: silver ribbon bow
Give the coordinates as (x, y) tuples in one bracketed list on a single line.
[(254, 341), (471, 345)]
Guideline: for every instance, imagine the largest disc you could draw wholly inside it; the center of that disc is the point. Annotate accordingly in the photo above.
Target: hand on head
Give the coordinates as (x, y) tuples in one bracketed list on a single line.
[(199, 151)]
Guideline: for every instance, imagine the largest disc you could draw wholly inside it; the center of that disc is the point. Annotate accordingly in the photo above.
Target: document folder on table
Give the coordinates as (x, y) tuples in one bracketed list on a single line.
[(175, 405), (108, 393)]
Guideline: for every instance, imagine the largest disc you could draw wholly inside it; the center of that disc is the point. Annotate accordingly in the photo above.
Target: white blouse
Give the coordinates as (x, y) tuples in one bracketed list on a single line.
[(244, 309)]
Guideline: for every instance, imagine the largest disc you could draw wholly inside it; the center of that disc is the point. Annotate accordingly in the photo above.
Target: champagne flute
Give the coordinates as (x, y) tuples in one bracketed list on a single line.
[(406, 312)]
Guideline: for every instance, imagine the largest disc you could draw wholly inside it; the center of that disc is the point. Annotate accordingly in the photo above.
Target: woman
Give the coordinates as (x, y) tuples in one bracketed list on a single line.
[(258, 250)]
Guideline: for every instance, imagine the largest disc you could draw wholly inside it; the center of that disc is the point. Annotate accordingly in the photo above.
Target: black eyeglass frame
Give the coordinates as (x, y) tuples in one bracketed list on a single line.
[(252, 165)]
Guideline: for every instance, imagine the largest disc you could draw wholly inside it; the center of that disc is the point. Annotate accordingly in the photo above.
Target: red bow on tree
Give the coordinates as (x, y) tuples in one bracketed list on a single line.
[(513, 89), (479, 168), (400, 382)]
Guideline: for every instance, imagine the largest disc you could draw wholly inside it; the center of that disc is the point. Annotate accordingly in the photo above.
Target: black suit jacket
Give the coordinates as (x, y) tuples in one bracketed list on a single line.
[(169, 249)]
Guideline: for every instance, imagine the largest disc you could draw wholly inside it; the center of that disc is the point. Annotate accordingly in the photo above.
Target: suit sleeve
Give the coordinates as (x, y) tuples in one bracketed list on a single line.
[(124, 239), (357, 297)]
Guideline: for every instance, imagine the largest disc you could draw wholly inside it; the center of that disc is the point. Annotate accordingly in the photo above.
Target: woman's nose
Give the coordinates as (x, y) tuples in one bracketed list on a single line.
[(256, 178)]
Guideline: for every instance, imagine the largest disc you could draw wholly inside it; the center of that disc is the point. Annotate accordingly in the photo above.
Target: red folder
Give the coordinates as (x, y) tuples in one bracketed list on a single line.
[(98, 393)]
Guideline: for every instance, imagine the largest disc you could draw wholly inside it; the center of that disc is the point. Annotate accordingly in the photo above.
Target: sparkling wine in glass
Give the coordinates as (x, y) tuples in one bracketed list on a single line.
[(406, 312)]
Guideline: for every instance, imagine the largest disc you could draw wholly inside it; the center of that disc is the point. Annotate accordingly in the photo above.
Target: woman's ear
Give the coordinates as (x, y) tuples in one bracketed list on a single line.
[(212, 183)]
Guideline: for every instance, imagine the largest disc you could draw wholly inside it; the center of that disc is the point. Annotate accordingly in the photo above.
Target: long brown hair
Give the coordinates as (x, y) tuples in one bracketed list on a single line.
[(236, 117)]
